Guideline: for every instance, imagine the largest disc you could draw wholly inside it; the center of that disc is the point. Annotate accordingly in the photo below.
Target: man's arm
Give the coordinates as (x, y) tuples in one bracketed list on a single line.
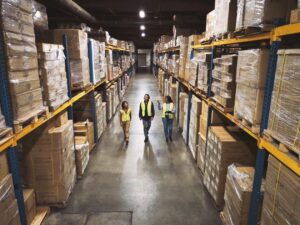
[(140, 112), (152, 110)]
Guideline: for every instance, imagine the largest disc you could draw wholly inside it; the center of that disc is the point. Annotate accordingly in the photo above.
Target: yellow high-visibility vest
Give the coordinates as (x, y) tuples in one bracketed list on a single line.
[(143, 106), (164, 110), (125, 115)]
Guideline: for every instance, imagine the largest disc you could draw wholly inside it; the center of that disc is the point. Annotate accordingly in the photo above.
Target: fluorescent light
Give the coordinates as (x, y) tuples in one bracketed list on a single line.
[(143, 34), (142, 14), (142, 27)]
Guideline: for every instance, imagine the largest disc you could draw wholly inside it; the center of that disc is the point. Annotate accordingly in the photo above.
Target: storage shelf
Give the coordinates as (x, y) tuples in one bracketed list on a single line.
[(172, 49), (286, 30), (12, 141), (287, 160), (115, 48)]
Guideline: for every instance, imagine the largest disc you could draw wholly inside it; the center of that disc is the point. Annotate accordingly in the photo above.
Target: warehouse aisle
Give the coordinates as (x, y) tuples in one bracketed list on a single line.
[(143, 184)]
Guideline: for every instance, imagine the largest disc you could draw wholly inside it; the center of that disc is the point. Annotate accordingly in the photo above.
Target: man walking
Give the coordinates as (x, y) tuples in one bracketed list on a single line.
[(146, 114)]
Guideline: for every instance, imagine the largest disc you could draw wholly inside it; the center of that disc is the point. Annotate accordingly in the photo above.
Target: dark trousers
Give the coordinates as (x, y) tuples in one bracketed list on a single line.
[(168, 127), (147, 125)]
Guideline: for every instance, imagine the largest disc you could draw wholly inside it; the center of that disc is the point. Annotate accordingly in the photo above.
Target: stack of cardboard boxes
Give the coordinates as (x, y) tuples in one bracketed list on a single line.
[(78, 53), (250, 78), (21, 59), (203, 59), (52, 75), (224, 147), (82, 155), (48, 161), (183, 44), (182, 110), (30, 204), (223, 75), (9, 213), (96, 66)]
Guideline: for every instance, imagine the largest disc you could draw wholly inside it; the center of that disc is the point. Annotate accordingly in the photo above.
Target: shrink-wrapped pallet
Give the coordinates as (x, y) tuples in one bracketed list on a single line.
[(201, 152), (262, 13), (210, 24), (281, 203), (182, 99), (284, 112), (223, 75), (225, 11), (21, 58), (238, 190), (183, 44), (194, 125), (81, 155), (224, 147), (250, 78), (52, 73)]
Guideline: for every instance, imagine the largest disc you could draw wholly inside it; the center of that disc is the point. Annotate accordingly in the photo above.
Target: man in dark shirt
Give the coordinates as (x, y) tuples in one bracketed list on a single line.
[(146, 114)]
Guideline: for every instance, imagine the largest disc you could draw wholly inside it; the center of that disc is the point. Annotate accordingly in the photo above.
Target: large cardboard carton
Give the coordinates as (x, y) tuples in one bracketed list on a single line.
[(30, 204), (3, 165), (85, 129)]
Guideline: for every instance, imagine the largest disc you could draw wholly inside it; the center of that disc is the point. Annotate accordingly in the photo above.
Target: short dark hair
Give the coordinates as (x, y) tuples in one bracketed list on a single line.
[(169, 99), (147, 95), (123, 104)]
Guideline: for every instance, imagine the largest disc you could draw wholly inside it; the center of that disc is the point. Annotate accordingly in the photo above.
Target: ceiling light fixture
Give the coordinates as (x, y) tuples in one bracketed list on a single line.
[(142, 27), (143, 34), (142, 14)]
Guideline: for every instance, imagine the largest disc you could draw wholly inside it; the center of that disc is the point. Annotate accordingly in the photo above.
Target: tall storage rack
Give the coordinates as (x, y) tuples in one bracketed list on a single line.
[(9, 145), (264, 147)]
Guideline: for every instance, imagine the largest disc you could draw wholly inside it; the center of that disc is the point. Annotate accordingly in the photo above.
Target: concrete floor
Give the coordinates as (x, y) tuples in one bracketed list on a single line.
[(144, 184)]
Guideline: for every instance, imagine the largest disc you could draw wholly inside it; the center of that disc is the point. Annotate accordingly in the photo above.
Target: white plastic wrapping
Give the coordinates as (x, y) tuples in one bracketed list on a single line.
[(82, 155), (284, 116), (210, 24), (40, 17), (225, 11)]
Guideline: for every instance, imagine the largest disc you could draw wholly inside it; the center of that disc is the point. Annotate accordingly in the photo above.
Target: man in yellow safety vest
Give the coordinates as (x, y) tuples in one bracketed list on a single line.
[(168, 111), (146, 114)]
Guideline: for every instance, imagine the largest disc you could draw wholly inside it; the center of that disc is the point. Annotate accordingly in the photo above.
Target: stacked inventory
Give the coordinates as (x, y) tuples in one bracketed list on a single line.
[(210, 24), (182, 110), (96, 65), (103, 66), (262, 13), (203, 60), (250, 78), (9, 213), (225, 11), (48, 161), (21, 59), (30, 204), (52, 75), (194, 125), (224, 147), (81, 154), (78, 53), (183, 43), (223, 75), (85, 130), (109, 63), (238, 190), (281, 203), (112, 101), (185, 120), (284, 113)]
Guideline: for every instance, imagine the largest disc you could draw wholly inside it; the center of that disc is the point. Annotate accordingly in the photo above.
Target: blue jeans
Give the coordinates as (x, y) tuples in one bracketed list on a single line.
[(147, 125), (168, 127)]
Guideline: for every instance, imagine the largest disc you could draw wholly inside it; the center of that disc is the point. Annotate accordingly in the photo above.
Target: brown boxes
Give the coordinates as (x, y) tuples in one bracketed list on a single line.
[(48, 162), (238, 190), (224, 147), (81, 154), (3, 165), (281, 203), (250, 78), (295, 16), (284, 112), (194, 125), (9, 213), (30, 204), (85, 129), (201, 152)]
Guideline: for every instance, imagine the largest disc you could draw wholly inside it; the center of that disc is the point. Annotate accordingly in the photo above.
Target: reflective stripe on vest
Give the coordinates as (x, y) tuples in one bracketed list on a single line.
[(143, 106), (164, 110), (125, 115)]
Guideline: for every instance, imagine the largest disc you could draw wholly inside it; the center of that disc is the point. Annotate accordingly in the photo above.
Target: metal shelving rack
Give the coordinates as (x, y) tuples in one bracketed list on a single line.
[(10, 145), (272, 38)]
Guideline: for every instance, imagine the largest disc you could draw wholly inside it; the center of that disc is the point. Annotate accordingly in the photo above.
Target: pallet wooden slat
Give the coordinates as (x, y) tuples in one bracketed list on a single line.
[(41, 214)]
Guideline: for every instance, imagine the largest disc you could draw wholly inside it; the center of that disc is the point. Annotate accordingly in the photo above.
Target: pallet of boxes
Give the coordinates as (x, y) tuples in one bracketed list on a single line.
[(21, 62), (78, 54), (47, 160)]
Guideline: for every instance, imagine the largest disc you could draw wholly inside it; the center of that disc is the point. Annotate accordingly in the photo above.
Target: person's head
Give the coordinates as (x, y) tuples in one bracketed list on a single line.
[(125, 105), (168, 99), (146, 97)]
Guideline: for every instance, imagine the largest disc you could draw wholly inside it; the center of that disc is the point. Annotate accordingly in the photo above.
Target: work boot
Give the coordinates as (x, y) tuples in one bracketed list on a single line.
[(146, 139), (127, 142), (167, 140), (171, 139)]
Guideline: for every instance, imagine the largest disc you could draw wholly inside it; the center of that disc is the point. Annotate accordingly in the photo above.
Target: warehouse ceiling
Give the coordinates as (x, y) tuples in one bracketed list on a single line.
[(121, 17)]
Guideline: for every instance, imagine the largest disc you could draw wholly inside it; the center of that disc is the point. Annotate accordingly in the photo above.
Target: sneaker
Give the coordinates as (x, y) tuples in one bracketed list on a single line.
[(127, 142), (167, 140), (171, 139), (146, 139)]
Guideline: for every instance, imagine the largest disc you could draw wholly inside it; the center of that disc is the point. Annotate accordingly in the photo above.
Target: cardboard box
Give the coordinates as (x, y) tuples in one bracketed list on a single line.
[(30, 204), (3, 165), (85, 129), (10, 216), (81, 154), (201, 152), (295, 16), (7, 193)]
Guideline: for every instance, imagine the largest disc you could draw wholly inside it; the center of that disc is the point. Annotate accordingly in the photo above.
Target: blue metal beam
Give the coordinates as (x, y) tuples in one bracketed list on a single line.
[(261, 158)]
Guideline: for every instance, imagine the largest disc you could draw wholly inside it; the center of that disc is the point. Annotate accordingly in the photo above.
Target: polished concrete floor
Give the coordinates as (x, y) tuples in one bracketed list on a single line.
[(142, 184)]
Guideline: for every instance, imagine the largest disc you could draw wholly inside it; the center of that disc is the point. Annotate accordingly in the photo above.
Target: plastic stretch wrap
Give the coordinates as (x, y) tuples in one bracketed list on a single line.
[(259, 13), (183, 56), (284, 119), (281, 203), (80, 71), (225, 11), (2, 121), (210, 24), (237, 196), (40, 17), (96, 60), (82, 157)]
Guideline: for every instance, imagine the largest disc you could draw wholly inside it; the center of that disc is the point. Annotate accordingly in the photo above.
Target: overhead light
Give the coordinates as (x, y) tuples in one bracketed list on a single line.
[(142, 27), (142, 14), (143, 34)]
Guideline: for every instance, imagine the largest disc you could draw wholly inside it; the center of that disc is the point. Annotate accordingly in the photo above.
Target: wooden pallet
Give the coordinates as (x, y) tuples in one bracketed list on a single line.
[(41, 213), (255, 128), (252, 30), (30, 119), (224, 36), (292, 151), (5, 134), (221, 107), (222, 217)]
